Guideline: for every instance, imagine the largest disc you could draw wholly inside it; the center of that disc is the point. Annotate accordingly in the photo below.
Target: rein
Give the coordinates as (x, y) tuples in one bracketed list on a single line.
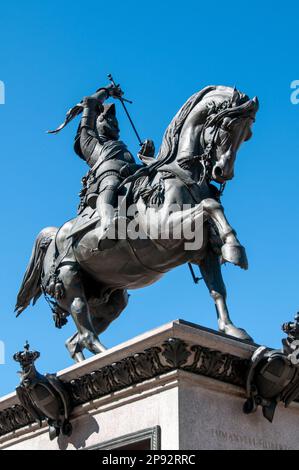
[(205, 159)]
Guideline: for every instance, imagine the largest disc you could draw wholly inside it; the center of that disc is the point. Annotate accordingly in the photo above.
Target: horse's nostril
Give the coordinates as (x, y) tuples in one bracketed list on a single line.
[(218, 171)]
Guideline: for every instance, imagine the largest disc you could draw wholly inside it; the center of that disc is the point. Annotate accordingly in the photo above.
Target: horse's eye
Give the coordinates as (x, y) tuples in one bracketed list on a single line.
[(226, 124)]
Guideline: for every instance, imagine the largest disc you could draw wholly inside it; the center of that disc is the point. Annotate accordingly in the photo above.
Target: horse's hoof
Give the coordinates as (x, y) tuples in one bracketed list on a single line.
[(235, 254), (91, 342), (239, 333), (78, 357)]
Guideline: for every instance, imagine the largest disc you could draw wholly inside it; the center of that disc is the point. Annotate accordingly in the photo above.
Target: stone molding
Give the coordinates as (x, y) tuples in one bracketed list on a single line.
[(152, 434), (171, 354)]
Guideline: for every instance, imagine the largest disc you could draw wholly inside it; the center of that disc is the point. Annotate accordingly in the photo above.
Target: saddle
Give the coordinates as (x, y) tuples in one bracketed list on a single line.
[(85, 220), (87, 214)]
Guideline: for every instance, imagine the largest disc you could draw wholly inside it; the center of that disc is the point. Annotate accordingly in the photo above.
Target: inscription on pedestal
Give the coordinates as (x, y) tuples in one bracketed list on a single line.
[(254, 442)]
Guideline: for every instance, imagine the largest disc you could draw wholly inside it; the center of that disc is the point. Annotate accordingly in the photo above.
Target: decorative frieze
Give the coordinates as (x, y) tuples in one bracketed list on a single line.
[(172, 354)]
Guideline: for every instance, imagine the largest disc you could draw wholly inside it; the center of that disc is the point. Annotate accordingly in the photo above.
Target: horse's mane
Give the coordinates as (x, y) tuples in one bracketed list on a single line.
[(237, 104), (171, 136), (233, 103)]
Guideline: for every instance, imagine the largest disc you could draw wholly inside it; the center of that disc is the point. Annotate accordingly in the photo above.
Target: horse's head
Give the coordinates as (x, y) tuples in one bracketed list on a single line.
[(228, 125), (211, 125)]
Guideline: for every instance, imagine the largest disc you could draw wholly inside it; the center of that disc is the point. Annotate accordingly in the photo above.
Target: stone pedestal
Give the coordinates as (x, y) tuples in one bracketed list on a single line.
[(179, 386)]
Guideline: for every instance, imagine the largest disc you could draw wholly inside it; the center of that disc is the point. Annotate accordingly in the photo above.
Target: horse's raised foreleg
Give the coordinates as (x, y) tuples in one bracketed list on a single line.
[(211, 272), (232, 250)]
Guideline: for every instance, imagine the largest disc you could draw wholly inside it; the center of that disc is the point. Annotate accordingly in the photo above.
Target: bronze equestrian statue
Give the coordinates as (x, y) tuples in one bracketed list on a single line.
[(87, 265)]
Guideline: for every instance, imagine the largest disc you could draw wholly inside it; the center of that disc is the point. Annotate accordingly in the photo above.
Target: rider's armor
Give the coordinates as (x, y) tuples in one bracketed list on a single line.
[(109, 158)]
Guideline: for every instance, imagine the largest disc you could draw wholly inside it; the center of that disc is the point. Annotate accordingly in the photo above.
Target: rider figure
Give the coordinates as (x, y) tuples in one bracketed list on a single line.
[(97, 142)]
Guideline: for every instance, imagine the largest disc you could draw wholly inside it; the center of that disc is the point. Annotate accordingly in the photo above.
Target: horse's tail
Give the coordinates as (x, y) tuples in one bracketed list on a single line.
[(31, 285)]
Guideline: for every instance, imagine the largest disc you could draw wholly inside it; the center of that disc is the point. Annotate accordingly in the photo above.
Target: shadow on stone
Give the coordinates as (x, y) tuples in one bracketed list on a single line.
[(83, 428)]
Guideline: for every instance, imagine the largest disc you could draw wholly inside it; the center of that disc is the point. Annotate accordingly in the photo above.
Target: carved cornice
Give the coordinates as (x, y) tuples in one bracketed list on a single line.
[(172, 354), (14, 418)]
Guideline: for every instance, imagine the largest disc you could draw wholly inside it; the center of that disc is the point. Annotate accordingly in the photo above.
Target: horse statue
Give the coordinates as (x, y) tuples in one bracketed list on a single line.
[(88, 275)]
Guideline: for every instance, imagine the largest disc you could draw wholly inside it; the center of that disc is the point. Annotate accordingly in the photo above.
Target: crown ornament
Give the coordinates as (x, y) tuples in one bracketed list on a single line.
[(26, 357)]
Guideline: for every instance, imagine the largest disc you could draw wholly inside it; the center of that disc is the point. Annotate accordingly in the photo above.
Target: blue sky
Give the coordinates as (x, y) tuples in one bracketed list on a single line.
[(53, 53)]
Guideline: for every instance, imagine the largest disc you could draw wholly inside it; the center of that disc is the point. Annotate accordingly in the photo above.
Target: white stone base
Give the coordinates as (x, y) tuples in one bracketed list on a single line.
[(192, 411)]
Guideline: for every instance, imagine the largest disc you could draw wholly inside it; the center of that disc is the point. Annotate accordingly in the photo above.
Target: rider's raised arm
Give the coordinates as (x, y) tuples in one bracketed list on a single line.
[(85, 140)]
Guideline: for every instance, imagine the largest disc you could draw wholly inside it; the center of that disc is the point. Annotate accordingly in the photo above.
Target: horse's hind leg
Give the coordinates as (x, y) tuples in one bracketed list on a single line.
[(105, 313), (76, 303), (74, 348), (211, 272)]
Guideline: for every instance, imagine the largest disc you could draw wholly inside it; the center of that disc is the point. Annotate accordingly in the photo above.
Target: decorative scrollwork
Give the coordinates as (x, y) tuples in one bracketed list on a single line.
[(172, 354)]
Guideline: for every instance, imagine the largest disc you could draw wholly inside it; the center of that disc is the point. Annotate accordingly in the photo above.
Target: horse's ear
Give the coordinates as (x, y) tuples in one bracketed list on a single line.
[(235, 96), (256, 102)]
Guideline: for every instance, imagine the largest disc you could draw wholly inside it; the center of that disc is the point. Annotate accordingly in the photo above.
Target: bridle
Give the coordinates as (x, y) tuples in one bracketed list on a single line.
[(207, 158)]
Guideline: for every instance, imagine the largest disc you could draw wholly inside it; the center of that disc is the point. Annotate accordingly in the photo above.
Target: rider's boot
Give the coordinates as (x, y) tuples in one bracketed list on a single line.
[(112, 226)]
